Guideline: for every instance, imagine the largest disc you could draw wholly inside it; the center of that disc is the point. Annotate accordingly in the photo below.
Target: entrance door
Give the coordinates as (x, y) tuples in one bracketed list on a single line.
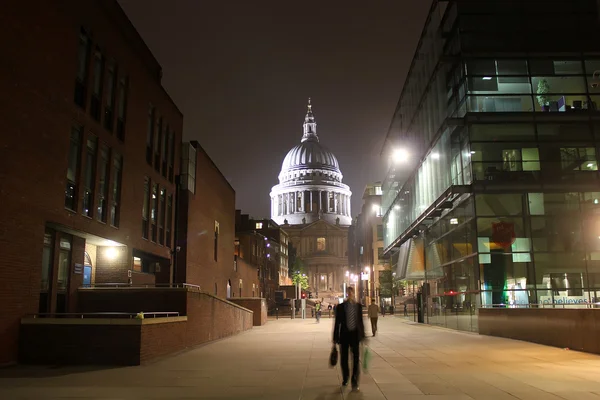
[(87, 275)]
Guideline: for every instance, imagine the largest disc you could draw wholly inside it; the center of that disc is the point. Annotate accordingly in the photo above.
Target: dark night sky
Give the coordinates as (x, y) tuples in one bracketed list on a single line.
[(241, 72)]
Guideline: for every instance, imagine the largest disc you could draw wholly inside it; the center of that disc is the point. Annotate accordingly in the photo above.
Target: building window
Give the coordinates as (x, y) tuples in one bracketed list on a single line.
[(216, 244), (161, 218), (169, 218), (321, 244), (115, 208), (122, 104), (154, 212), (380, 256), (157, 143), (150, 134), (89, 179), (578, 159), (145, 208), (83, 55), (188, 163), (171, 155), (163, 151), (73, 169), (379, 232), (259, 225), (98, 72), (111, 82), (145, 265), (103, 184)]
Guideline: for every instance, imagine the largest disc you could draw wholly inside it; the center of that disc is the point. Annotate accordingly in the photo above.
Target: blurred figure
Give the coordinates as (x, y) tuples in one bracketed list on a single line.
[(348, 332), (318, 311), (373, 312)]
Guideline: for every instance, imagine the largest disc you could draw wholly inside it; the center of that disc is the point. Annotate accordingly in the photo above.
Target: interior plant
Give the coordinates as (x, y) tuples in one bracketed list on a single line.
[(542, 91)]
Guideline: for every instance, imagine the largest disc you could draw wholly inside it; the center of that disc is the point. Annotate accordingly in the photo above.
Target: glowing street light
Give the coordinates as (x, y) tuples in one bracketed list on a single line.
[(400, 155)]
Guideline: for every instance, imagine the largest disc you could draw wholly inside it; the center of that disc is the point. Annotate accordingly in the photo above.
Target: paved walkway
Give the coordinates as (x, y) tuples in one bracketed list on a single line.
[(287, 359)]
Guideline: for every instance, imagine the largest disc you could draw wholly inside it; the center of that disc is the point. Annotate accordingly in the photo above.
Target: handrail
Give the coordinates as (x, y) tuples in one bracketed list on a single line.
[(154, 314), (149, 285)]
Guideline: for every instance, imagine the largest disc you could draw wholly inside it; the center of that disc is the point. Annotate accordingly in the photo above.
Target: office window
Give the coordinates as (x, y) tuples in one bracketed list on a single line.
[(379, 232), (122, 104), (154, 212), (89, 178), (161, 217), (150, 134), (163, 151), (380, 256), (83, 55), (146, 208), (171, 155), (169, 219), (216, 243), (103, 184), (111, 82), (259, 225), (578, 159), (98, 72), (157, 143), (115, 208), (73, 169), (321, 244)]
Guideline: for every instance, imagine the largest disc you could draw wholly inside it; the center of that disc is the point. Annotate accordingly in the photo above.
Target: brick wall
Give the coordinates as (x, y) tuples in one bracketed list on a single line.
[(112, 267), (132, 300), (258, 307), (130, 342), (38, 108)]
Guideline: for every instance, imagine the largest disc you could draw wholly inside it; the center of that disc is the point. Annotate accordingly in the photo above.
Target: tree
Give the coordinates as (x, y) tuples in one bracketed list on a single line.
[(389, 285), (298, 273)]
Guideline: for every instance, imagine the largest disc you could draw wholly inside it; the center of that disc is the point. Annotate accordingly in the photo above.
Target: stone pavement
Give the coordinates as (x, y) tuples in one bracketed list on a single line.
[(287, 359)]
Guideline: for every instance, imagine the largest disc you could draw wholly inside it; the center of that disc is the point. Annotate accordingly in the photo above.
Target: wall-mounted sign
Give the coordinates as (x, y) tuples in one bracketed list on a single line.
[(78, 269), (364, 276), (129, 274), (503, 233)]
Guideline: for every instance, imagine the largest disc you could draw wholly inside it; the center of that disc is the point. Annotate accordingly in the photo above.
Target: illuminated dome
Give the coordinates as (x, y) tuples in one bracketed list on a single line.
[(310, 183)]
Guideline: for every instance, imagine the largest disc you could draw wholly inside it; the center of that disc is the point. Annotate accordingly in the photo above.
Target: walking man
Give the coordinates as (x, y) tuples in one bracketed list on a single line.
[(373, 312), (349, 331), (318, 311)]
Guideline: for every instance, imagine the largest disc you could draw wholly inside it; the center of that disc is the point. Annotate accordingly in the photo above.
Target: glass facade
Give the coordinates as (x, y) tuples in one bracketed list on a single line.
[(498, 204)]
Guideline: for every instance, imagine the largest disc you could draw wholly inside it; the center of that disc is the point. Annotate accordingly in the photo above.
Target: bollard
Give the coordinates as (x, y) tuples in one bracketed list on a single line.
[(276, 313)]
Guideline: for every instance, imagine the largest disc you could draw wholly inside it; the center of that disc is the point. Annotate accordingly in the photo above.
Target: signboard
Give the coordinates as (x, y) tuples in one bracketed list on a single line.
[(129, 274), (78, 269), (364, 276), (503, 233)]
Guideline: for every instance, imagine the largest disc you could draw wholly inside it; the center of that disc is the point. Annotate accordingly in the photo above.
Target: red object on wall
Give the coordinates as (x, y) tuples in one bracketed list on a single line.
[(503, 233)]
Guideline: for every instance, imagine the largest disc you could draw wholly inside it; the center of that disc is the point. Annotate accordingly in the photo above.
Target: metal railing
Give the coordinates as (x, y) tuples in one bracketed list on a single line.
[(136, 286), (151, 314)]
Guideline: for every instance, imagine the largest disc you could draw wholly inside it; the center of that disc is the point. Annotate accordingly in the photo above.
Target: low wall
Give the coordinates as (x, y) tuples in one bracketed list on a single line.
[(105, 341), (133, 300), (257, 305), (91, 341), (576, 329)]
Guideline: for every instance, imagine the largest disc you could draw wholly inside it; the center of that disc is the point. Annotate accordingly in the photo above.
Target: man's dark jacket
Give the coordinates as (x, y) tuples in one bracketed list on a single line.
[(340, 328)]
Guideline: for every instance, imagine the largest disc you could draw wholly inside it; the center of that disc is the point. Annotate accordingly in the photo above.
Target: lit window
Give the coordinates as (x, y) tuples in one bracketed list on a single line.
[(321, 244), (259, 225)]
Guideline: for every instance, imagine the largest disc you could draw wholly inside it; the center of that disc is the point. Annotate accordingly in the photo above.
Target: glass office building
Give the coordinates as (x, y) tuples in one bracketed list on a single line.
[(492, 197)]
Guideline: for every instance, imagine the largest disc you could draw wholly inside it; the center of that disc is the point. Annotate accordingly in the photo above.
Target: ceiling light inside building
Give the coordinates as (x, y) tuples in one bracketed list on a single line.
[(487, 78), (435, 156), (454, 221)]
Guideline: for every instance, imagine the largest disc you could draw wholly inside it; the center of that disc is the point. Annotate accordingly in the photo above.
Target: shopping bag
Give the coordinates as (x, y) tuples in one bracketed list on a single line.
[(366, 358), (333, 357)]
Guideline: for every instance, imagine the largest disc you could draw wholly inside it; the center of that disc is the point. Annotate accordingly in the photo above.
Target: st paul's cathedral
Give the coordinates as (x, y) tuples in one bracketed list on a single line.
[(313, 206)]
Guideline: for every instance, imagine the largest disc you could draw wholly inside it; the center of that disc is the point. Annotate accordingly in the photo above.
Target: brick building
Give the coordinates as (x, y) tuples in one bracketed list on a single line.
[(88, 159), (206, 230), (262, 244)]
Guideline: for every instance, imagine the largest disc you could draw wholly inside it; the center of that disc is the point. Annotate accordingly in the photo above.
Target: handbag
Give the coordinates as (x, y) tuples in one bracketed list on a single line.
[(366, 358), (333, 357)]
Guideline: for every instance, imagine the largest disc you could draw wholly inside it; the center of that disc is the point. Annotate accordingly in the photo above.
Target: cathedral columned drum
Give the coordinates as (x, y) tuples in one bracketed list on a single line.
[(312, 204)]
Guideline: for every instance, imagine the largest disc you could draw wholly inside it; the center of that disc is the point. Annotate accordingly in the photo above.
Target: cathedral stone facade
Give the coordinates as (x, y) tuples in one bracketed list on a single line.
[(313, 206)]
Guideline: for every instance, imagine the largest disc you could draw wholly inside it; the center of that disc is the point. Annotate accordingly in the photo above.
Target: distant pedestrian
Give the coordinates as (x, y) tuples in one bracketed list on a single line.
[(373, 312), (383, 311), (318, 311), (348, 332), (405, 310)]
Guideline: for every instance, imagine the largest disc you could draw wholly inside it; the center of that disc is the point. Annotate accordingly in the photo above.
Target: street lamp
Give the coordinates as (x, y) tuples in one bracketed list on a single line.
[(400, 155)]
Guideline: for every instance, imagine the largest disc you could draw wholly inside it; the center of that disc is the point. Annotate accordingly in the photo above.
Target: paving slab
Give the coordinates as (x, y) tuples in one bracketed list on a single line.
[(288, 359)]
